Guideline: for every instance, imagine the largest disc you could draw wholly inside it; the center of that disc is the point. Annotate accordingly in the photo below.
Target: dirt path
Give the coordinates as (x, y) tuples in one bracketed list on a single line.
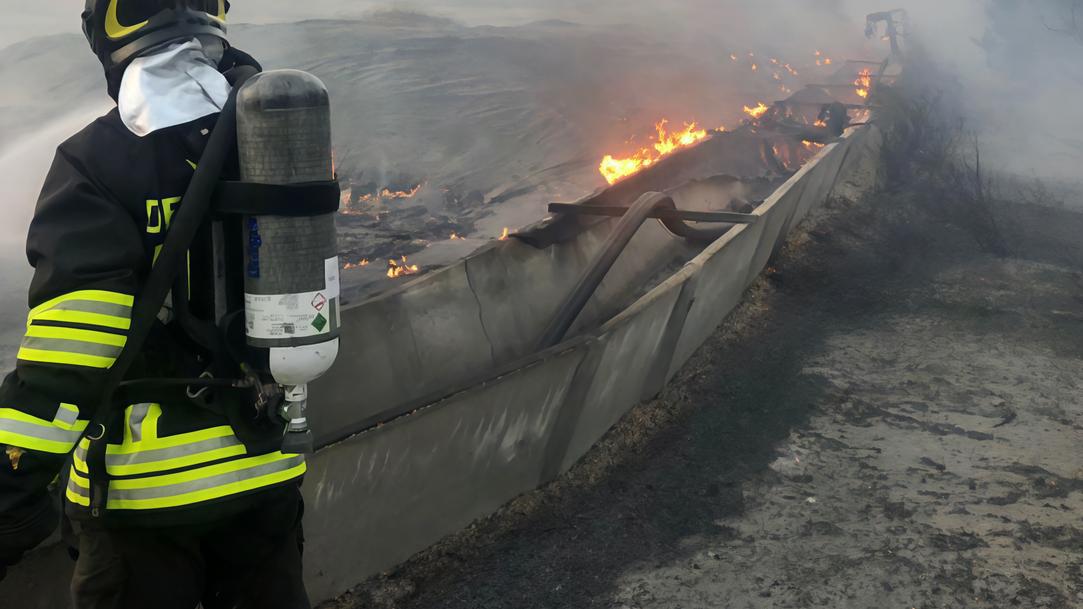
[(892, 419)]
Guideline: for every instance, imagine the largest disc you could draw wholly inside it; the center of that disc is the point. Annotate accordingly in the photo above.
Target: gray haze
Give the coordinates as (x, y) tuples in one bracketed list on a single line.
[(457, 102)]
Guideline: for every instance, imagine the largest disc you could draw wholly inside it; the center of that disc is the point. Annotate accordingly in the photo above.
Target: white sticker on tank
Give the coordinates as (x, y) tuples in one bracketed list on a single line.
[(330, 277), (302, 315), (287, 315)]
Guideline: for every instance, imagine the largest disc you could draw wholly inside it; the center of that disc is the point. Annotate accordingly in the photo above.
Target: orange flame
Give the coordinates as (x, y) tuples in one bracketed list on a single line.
[(360, 263), (391, 195), (760, 109), (864, 83), (504, 235), (396, 270), (613, 169), (455, 237)]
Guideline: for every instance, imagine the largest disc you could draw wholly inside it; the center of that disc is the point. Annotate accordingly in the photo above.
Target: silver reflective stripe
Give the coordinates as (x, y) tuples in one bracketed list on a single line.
[(67, 414), (41, 432), (163, 454), (78, 490), (80, 453), (71, 346), (91, 306), (183, 488), (135, 421)]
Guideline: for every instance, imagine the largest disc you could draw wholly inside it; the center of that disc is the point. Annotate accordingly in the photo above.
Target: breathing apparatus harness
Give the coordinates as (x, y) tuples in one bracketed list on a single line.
[(207, 196)]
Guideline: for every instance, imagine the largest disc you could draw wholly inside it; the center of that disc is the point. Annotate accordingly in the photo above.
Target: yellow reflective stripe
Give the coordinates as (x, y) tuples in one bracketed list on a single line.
[(116, 30), (168, 442), (217, 492), (76, 499), (79, 463), (176, 462), (26, 431), (102, 296), (80, 481), (61, 357), (86, 336), (203, 472), (83, 317), (70, 420), (10, 414), (53, 447)]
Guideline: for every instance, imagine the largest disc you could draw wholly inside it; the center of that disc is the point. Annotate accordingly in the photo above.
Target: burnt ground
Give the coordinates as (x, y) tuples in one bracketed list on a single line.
[(892, 418)]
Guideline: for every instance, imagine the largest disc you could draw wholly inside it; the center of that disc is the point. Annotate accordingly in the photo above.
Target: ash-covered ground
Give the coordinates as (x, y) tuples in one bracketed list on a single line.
[(891, 419)]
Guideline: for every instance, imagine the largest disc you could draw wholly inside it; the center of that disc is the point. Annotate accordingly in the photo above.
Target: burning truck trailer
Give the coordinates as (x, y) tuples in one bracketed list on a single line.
[(494, 374)]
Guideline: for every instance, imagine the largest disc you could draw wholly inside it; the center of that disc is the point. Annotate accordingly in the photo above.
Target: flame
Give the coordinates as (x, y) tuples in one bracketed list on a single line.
[(755, 67), (455, 237), (733, 56), (504, 235), (819, 123), (760, 109), (391, 195), (396, 270), (813, 145), (360, 263), (613, 169), (864, 83)]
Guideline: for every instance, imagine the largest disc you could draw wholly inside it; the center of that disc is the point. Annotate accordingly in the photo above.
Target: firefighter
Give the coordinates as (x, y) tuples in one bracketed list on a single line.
[(202, 506)]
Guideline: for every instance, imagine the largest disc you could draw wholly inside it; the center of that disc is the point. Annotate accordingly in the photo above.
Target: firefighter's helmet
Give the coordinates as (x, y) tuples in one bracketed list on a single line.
[(121, 30)]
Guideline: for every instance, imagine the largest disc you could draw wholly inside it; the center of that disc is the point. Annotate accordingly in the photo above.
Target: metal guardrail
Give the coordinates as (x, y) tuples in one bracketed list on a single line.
[(650, 205)]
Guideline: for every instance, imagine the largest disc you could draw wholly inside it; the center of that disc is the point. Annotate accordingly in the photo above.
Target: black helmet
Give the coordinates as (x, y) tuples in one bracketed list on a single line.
[(121, 30)]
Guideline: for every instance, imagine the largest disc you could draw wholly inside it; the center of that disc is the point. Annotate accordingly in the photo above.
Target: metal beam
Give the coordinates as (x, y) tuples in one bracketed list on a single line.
[(728, 217)]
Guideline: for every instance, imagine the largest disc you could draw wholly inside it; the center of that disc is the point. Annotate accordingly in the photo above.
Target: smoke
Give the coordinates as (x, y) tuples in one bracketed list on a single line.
[(1017, 72), (23, 165), (1016, 62)]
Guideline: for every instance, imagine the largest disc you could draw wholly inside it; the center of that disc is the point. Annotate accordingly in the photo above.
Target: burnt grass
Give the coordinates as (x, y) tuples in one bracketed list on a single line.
[(684, 466)]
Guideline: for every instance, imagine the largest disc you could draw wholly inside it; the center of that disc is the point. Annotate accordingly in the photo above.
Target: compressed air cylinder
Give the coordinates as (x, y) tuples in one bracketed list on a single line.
[(291, 263)]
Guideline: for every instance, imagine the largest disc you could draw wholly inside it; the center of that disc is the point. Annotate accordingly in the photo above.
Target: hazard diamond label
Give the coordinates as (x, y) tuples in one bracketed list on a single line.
[(319, 323), (319, 302)]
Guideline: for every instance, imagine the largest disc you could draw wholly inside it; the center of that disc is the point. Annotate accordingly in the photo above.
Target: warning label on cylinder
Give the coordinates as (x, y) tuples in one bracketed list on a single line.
[(302, 315)]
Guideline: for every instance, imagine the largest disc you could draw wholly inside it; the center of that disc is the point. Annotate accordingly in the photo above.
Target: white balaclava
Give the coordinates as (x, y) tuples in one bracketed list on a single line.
[(172, 86)]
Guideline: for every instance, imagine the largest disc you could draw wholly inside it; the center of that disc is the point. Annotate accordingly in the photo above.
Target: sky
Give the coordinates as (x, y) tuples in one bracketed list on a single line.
[(56, 16)]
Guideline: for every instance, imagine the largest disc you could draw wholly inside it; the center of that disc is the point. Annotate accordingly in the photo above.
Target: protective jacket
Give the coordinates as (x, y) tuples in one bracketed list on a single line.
[(101, 219)]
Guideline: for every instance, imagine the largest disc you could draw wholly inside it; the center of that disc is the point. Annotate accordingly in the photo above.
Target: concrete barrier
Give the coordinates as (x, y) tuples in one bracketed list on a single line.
[(378, 498)]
